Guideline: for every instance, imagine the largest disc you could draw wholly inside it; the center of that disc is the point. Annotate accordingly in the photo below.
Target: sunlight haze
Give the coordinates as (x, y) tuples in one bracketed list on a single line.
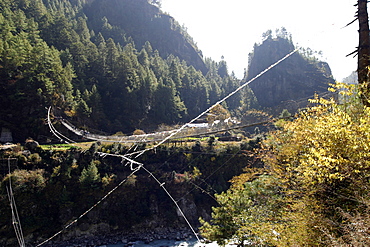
[(230, 28)]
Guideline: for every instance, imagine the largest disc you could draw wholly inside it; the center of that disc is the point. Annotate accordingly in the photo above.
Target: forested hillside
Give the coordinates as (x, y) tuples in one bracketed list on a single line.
[(52, 187), (124, 65), (110, 65)]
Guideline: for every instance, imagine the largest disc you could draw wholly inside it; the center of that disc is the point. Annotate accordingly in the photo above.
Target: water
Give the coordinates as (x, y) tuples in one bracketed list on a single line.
[(169, 243)]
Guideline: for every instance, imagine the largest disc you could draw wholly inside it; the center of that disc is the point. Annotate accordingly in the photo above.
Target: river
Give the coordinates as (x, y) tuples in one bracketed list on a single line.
[(169, 243)]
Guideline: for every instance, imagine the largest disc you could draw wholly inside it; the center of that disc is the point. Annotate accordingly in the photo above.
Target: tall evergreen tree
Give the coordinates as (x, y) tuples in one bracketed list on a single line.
[(363, 51)]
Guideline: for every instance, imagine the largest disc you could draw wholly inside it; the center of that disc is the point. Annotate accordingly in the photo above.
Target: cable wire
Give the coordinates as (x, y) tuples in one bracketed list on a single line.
[(15, 216), (217, 103), (125, 158)]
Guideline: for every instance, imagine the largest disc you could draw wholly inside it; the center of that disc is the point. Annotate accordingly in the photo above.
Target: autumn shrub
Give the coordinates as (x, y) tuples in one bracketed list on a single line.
[(26, 181), (322, 159), (355, 227), (35, 158), (320, 163), (108, 179), (138, 132)]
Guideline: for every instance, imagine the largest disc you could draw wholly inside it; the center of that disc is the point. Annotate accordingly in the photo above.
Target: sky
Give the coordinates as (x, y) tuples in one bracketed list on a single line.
[(230, 28)]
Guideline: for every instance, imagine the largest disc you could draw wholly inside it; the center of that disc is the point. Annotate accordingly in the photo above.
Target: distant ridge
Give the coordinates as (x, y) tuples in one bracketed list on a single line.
[(146, 22)]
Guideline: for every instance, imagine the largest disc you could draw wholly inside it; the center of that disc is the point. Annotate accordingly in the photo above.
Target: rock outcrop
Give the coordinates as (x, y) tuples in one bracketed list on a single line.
[(291, 83)]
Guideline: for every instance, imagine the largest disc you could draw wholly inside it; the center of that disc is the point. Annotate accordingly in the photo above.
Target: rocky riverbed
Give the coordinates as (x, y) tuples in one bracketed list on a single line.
[(125, 239)]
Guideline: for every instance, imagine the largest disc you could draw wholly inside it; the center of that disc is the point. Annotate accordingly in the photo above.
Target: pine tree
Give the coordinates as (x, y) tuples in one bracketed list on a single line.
[(90, 176)]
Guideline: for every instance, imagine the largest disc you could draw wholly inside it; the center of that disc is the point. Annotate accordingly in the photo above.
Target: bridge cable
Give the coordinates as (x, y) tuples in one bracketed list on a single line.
[(55, 132), (15, 216), (92, 207), (139, 153), (214, 105)]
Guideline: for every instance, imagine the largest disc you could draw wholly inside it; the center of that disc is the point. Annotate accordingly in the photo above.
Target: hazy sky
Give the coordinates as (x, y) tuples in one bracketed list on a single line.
[(229, 28)]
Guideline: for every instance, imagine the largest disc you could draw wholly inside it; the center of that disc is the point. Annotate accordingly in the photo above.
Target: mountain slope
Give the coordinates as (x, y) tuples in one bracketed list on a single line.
[(145, 22), (295, 79), (113, 65)]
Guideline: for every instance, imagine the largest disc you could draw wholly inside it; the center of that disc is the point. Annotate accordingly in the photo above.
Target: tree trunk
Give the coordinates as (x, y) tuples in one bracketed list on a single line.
[(363, 51)]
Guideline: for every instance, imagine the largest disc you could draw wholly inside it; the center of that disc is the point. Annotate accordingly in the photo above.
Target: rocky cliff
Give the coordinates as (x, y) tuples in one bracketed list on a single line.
[(56, 192), (292, 82)]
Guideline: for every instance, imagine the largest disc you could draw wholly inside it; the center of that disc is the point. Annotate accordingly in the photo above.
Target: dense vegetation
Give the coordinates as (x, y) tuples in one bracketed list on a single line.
[(124, 65), (99, 71), (53, 187), (313, 190)]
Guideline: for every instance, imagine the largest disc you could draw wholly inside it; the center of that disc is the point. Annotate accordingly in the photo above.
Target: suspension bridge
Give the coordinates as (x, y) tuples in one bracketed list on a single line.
[(129, 159), (188, 131)]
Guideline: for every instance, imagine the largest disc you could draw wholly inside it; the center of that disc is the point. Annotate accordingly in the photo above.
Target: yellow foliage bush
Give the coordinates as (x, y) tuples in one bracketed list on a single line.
[(313, 188), (322, 160)]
